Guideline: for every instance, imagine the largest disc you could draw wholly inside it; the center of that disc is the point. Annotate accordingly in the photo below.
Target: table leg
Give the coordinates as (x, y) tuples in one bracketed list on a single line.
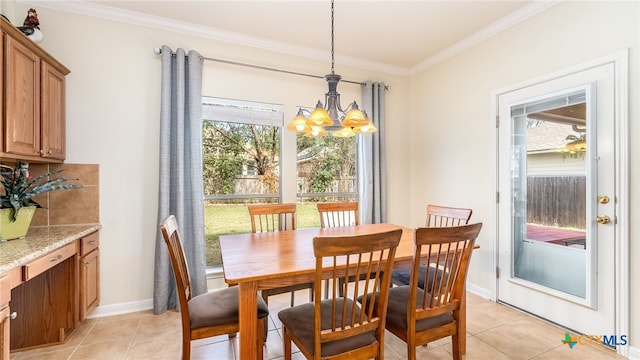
[(248, 320)]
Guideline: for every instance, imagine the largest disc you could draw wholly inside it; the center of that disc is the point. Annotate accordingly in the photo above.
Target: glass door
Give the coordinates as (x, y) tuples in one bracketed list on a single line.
[(556, 208), (549, 194)]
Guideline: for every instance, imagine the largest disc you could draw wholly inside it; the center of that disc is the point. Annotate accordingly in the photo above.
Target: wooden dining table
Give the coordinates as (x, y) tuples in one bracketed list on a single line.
[(257, 261)]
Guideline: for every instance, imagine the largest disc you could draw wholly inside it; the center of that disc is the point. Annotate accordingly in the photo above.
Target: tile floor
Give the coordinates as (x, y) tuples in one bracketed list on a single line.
[(494, 332)]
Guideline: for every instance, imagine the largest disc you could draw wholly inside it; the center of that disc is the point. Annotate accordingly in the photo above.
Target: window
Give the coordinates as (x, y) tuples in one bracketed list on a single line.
[(241, 153), (326, 168), (241, 165)]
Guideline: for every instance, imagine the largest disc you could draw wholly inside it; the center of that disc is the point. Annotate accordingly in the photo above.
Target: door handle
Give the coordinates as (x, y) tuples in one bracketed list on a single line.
[(602, 219)]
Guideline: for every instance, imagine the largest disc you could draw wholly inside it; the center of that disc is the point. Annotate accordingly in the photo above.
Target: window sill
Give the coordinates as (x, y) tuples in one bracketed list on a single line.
[(214, 272)]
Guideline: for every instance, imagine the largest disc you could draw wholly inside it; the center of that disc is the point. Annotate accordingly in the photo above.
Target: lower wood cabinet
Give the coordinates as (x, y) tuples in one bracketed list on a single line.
[(4, 332), (5, 316), (89, 274), (46, 306), (51, 296)]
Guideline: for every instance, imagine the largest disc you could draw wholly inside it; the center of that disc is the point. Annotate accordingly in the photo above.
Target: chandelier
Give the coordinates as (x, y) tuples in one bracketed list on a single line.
[(330, 117)]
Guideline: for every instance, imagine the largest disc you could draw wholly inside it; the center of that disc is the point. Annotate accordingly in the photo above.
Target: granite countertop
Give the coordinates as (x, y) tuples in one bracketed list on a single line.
[(39, 241)]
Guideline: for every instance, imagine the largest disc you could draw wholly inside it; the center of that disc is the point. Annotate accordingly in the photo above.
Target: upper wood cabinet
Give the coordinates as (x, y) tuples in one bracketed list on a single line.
[(22, 100), (52, 114), (33, 88)]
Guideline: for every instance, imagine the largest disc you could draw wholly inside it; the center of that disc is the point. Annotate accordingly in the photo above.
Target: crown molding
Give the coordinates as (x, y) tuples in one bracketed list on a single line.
[(131, 17)]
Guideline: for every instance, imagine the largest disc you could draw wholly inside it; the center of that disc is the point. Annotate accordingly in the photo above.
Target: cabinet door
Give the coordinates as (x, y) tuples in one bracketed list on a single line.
[(5, 297), (22, 105), (4, 333), (89, 282), (52, 113)]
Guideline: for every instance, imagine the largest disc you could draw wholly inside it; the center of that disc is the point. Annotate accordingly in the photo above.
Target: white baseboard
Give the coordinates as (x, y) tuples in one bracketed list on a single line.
[(121, 308), (633, 353), (480, 291)]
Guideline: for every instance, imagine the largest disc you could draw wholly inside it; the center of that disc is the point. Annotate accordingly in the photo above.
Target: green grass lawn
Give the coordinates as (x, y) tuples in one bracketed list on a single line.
[(234, 219)]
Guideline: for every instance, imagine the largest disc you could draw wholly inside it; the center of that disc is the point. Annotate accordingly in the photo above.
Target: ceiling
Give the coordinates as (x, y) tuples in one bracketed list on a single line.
[(397, 36)]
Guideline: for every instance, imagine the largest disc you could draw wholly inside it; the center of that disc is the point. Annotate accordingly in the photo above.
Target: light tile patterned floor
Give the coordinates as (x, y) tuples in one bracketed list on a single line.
[(494, 332)]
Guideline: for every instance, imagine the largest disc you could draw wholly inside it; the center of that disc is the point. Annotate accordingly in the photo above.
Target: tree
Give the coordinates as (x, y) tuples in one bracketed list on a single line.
[(333, 162), (228, 147)]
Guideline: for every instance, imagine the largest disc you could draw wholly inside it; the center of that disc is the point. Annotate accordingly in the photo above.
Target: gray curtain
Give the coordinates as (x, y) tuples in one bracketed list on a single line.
[(181, 189), (372, 164)]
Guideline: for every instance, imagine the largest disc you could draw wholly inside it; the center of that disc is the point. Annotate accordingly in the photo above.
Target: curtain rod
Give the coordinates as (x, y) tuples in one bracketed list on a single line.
[(159, 50)]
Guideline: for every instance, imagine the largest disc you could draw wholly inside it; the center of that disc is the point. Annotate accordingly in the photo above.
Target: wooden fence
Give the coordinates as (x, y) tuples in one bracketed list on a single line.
[(558, 201)]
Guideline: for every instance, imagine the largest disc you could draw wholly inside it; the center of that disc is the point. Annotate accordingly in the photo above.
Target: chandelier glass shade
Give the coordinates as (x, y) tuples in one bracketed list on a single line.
[(330, 117)]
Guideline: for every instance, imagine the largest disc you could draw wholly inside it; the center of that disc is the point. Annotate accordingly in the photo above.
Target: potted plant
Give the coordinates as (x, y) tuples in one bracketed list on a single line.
[(16, 199)]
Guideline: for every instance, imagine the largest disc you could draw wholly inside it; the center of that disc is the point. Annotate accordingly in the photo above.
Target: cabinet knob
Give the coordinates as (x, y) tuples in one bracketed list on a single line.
[(13, 315)]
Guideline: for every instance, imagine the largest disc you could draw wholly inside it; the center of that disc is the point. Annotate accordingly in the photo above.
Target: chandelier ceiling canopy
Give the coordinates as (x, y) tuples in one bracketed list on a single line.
[(330, 117)]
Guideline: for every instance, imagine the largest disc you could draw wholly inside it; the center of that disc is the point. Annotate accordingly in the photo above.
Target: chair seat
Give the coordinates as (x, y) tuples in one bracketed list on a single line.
[(397, 310), (299, 321), (401, 276), (218, 308)]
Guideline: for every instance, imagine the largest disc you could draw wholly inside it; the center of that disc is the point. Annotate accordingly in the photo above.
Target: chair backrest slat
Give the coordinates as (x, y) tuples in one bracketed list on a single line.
[(272, 217), (444, 216), (335, 214)]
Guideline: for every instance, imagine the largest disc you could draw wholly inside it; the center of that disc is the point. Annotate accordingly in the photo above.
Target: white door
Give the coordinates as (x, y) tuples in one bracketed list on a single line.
[(557, 195)]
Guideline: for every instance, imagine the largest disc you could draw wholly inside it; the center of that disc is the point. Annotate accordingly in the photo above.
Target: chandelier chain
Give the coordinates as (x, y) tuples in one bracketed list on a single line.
[(332, 44)]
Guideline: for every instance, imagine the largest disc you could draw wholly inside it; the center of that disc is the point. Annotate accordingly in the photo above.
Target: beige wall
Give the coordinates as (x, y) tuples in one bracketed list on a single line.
[(452, 130), (113, 111)]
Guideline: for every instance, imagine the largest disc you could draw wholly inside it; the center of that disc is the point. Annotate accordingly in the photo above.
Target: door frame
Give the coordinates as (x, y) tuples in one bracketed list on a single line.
[(621, 150)]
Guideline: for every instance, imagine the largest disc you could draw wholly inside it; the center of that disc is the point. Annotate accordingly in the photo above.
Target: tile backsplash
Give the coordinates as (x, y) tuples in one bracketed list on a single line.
[(65, 207)]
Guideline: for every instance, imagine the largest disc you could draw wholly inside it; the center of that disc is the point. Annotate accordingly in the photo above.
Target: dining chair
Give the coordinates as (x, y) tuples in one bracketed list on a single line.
[(271, 218), (417, 316), (211, 314), (336, 214), (437, 216), (338, 327)]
